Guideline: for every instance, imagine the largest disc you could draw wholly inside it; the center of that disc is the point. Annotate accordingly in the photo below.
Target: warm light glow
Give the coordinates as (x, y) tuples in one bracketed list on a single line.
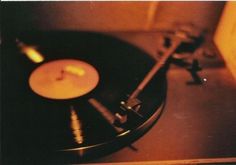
[(76, 127), (64, 79), (225, 36), (74, 70), (31, 52)]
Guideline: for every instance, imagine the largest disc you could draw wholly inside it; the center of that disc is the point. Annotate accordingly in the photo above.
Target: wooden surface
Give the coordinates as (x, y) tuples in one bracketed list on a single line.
[(180, 162)]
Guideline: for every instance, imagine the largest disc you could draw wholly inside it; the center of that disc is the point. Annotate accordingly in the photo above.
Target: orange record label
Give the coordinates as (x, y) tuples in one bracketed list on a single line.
[(64, 79)]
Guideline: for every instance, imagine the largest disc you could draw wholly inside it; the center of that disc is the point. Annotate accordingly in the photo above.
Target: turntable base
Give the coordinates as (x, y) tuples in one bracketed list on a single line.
[(191, 130)]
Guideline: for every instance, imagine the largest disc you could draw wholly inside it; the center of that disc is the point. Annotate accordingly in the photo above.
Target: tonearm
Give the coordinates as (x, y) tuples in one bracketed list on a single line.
[(133, 104)]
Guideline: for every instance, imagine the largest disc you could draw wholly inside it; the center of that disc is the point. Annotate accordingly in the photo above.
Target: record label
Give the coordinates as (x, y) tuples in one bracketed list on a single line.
[(63, 79)]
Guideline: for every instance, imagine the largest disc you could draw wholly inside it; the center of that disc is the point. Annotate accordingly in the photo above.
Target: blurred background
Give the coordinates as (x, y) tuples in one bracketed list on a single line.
[(110, 16), (200, 120)]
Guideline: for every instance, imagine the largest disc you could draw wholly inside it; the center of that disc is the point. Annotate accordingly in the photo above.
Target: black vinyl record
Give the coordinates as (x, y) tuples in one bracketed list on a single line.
[(40, 129)]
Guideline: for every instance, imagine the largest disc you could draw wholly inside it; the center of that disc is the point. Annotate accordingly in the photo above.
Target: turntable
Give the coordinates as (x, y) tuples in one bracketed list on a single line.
[(67, 95), (76, 97)]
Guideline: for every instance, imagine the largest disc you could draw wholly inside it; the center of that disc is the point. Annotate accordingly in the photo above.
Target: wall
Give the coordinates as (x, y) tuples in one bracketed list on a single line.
[(108, 16), (95, 16), (203, 14)]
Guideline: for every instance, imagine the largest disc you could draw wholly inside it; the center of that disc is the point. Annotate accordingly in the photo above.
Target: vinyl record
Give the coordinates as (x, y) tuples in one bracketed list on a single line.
[(62, 90)]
